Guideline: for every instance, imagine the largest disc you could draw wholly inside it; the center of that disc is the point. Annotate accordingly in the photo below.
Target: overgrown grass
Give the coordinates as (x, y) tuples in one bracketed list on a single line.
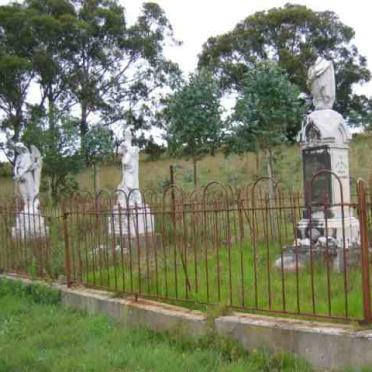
[(40, 336), (235, 170), (223, 277)]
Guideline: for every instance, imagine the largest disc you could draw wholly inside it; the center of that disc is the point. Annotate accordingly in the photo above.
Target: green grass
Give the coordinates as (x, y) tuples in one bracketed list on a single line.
[(202, 252), (275, 292), (38, 335)]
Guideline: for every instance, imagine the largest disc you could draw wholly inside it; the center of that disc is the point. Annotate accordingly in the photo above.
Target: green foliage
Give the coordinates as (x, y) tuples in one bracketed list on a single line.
[(268, 111), (59, 145), (194, 116), (82, 55), (16, 70), (38, 293), (98, 144), (5, 170), (292, 36), (116, 68), (154, 150)]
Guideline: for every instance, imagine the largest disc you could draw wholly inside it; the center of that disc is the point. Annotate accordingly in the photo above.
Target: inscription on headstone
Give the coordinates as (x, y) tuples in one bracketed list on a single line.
[(320, 190)]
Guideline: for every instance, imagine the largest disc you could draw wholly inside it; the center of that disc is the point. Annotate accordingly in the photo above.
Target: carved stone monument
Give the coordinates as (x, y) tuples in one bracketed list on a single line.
[(324, 139), (27, 175), (131, 216)]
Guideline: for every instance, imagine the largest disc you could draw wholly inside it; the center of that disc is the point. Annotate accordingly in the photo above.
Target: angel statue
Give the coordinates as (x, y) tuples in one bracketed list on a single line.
[(136, 217), (27, 174), (130, 179)]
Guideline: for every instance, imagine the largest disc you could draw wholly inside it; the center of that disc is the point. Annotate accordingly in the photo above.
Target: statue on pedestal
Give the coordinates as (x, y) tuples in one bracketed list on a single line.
[(129, 185), (130, 215), (324, 140), (27, 175), (321, 81)]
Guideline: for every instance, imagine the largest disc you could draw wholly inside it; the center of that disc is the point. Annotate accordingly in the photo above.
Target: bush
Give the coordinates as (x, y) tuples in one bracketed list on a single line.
[(36, 292), (6, 170), (154, 151)]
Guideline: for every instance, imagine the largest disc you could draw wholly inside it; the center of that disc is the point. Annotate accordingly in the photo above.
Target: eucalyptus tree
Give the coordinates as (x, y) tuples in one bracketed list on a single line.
[(293, 36), (116, 66), (16, 70), (82, 55)]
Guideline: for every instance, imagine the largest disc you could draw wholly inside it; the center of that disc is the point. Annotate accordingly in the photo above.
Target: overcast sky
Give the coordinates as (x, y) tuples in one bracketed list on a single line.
[(194, 21)]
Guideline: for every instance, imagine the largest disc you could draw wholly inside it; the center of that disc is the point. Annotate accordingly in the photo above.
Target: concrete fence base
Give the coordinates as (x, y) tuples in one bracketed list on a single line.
[(324, 345)]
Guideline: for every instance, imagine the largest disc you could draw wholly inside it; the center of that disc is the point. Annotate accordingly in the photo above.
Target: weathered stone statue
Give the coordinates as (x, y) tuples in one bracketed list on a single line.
[(27, 175), (129, 185), (130, 215), (321, 81)]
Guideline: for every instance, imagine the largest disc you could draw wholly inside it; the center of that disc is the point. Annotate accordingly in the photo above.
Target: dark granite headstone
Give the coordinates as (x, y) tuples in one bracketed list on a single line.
[(320, 190)]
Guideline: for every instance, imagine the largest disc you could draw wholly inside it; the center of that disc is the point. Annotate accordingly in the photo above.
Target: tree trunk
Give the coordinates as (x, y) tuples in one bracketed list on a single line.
[(194, 161), (257, 153), (83, 120), (17, 120), (270, 173), (51, 112), (95, 178), (83, 129)]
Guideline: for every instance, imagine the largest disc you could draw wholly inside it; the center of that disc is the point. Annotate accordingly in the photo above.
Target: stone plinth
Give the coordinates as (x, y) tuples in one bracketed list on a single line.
[(144, 241), (328, 227), (29, 225), (132, 221), (324, 144)]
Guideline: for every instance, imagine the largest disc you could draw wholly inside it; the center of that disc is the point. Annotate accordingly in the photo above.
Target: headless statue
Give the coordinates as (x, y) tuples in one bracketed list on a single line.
[(129, 185)]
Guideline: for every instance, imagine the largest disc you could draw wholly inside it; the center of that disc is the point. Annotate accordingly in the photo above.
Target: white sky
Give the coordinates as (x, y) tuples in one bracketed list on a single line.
[(194, 21)]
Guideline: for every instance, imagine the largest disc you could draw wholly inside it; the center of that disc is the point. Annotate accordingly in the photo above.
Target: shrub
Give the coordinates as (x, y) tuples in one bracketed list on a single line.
[(6, 170), (36, 292)]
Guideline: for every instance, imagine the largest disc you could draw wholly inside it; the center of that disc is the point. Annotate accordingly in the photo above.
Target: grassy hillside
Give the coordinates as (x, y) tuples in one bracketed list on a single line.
[(235, 170)]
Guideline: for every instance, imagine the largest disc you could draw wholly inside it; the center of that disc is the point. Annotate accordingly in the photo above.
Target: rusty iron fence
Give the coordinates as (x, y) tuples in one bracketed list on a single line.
[(215, 245)]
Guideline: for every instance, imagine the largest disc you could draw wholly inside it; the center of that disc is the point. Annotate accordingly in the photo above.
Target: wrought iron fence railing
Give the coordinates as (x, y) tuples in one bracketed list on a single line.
[(217, 245)]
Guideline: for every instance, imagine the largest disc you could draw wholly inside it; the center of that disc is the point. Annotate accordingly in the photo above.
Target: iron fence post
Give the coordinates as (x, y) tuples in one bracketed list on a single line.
[(364, 251), (173, 196), (67, 246)]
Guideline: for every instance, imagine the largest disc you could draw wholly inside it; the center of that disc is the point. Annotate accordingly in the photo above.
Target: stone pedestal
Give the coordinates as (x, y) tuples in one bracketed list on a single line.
[(132, 221), (29, 225), (328, 227), (324, 144)]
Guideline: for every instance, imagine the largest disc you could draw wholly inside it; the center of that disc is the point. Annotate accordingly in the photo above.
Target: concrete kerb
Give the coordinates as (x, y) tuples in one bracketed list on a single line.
[(324, 345), (131, 312)]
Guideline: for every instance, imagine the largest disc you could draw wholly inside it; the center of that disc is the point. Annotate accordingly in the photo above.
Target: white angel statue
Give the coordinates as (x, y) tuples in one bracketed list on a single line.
[(130, 178), (27, 174)]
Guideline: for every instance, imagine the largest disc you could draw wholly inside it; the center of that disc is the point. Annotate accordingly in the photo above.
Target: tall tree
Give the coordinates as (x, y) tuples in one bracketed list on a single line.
[(82, 53), (117, 67), (292, 36), (51, 22), (267, 109), (16, 72), (194, 116)]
